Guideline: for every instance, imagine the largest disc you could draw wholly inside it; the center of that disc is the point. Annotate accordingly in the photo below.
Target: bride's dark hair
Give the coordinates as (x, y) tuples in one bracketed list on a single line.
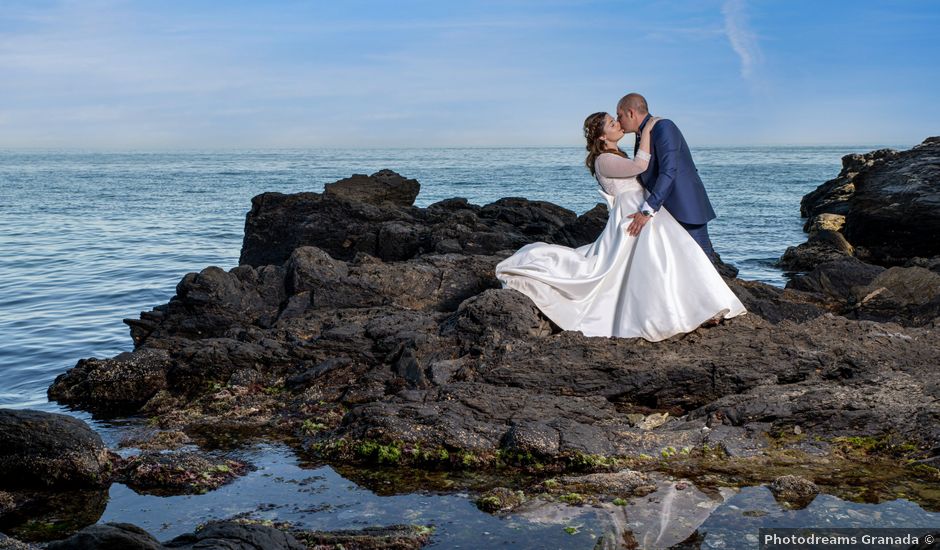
[(593, 131)]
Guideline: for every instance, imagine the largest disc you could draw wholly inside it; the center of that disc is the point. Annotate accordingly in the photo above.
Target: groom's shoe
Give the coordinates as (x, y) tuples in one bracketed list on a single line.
[(716, 319)]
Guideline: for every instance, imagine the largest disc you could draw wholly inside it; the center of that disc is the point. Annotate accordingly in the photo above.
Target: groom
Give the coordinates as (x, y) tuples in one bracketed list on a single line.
[(671, 179)]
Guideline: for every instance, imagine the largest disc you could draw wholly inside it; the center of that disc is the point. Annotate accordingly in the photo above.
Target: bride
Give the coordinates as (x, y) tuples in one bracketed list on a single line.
[(654, 285)]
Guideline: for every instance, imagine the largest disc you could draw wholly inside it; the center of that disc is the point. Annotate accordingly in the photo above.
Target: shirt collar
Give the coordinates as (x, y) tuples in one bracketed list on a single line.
[(642, 124)]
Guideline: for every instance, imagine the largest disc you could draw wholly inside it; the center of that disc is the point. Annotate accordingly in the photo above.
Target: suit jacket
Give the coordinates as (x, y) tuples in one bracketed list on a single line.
[(672, 179)]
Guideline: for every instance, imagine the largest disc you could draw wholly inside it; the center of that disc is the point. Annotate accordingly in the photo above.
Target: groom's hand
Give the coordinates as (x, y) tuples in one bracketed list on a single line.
[(639, 220)]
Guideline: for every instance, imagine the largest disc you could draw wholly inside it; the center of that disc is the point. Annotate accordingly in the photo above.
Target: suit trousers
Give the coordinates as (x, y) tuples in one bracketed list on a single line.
[(699, 232)]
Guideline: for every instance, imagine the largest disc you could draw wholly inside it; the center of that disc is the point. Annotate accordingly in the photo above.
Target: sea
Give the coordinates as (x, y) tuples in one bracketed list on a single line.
[(88, 238)]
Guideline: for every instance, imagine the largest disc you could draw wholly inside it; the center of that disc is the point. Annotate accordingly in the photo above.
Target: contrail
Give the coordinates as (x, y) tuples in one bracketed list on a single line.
[(742, 39)]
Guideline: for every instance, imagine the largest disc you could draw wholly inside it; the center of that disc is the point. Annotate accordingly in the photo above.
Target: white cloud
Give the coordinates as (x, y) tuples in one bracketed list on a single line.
[(742, 39)]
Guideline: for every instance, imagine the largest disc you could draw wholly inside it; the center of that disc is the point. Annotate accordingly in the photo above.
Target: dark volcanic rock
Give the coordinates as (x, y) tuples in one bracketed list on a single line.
[(436, 282), (933, 264), (376, 331), (50, 514), (382, 186), (727, 271), (167, 474), (821, 246), (886, 205), (838, 279), (895, 211), (54, 451), (500, 499), (861, 206), (344, 224), (233, 535), (393, 537), (108, 536), (794, 491), (833, 197), (774, 304), (120, 384), (243, 535), (904, 295), (9, 543), (620, 484)]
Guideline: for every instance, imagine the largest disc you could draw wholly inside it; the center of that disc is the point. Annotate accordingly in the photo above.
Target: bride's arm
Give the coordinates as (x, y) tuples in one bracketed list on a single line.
[(611, 165)]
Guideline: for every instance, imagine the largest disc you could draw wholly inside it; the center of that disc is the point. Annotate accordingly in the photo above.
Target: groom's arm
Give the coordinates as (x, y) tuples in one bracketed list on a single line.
[(666, 141)]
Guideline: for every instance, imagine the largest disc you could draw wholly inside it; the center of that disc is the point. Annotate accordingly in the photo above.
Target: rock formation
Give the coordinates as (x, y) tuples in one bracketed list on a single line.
[(883, 208), (361, 327), (874, 237)]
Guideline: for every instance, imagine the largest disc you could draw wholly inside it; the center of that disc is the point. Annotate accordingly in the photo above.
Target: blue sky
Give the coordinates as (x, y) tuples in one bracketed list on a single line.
[(215, 75)]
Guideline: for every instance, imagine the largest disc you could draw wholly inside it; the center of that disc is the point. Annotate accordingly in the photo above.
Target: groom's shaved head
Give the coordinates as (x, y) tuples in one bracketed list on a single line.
[(635, 102)]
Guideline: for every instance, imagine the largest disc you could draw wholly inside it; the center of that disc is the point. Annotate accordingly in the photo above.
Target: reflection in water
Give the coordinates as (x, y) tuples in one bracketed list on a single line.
[(661, 519), (50, 515), (677, 513)]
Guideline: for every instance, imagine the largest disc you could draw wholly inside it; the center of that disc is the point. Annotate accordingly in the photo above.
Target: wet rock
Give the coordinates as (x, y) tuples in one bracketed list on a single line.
[(113, 386), (203, 365), (815, 397), (49, 514), (535, 438), (393, 537), (155, 440), (500, 500), (9, 543), (622, 484), (234, 535), (212, 299), (167, 474), (53, 451), (243, 535), (668, 516), (794, 492), (108, 535), (207, 304)]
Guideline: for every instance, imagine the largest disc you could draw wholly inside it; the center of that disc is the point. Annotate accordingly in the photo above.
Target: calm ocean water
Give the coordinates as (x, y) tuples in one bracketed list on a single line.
[(88, 239)]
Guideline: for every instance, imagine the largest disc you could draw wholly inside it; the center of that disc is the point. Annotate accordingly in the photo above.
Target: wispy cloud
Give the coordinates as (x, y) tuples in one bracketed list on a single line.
[(742, 39)]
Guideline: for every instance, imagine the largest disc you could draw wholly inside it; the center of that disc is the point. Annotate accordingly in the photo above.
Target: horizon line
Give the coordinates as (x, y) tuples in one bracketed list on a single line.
[(70, 149)]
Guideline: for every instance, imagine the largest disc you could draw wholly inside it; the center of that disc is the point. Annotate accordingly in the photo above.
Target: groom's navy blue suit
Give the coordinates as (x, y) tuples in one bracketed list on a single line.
[(672, 181)]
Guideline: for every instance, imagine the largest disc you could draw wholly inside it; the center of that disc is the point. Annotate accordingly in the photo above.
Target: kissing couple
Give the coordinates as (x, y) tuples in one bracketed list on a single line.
[(650, 273)]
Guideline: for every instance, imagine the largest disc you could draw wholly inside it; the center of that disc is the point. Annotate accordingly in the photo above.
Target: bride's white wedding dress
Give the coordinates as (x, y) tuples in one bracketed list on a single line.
[(652, 286)]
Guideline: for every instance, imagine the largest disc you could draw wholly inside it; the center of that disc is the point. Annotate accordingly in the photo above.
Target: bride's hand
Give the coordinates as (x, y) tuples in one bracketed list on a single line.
[(651, 123)]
